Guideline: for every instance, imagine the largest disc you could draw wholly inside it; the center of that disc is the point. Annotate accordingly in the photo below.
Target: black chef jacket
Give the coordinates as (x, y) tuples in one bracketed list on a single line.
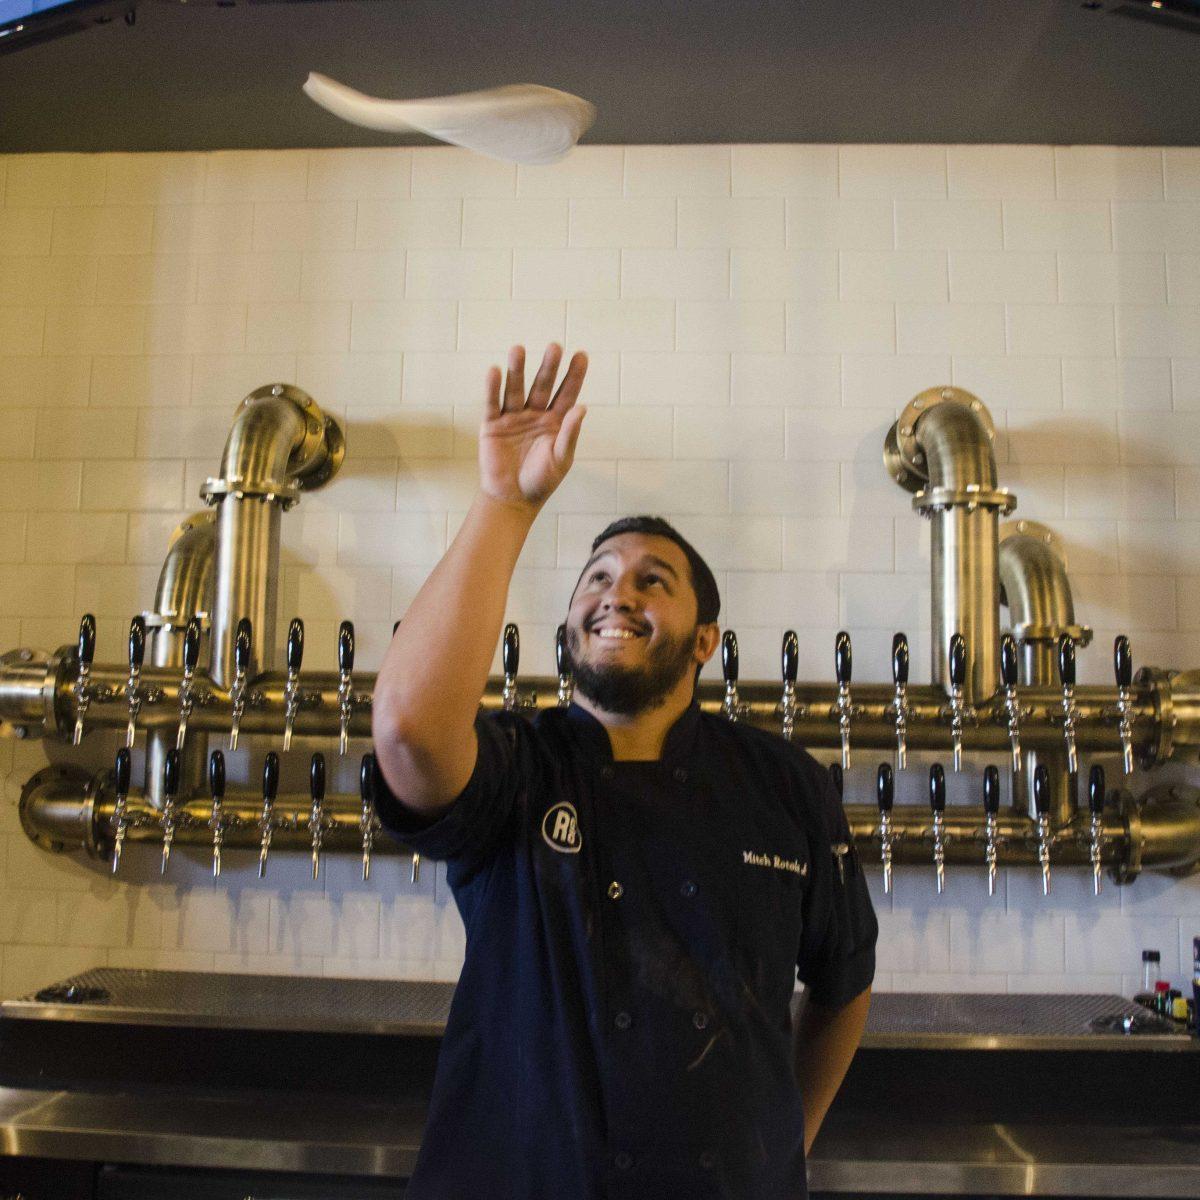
[(621, 1027)]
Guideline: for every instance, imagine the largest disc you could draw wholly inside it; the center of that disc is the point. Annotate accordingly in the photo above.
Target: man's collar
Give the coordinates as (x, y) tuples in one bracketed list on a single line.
[(678, 746)]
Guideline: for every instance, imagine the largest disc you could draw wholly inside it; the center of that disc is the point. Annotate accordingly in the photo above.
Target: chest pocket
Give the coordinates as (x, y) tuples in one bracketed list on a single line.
[(774, 875)]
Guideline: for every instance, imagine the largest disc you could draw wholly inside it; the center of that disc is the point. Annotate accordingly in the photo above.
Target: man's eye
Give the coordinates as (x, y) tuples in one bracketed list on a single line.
[(596, 577)]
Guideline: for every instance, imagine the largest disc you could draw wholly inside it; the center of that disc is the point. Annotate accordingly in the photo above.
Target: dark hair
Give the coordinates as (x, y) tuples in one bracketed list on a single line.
[(708, 598)]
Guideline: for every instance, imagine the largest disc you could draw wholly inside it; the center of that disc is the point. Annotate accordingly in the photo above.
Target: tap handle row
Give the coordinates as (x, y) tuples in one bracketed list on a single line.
[(937, 788), (346, 647), (270, 780), (900, 659), (243, 641), (561, 658), (366, 779), (137, 643), (1008, 660), (790, 657), (1122, 661), (1096, 791), (843, 657), (1066, 660), (316, 778), (885, 790), (1041, 791), (216, 775), (121, 771), (958, 660), (191, 644), (87, 641), (991, 790), (729, 656), (171, 773), (295, 645), (510, 650)]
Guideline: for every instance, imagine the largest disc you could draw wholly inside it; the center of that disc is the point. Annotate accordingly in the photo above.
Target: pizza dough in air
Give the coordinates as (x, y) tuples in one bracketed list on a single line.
[(522, 123)]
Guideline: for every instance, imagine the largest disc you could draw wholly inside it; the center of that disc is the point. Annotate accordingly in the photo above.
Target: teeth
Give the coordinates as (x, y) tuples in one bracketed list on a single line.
[(615, 633)]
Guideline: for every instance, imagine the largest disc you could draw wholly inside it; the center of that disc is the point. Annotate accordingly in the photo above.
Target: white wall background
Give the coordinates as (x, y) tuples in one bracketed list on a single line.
[(755, 315)]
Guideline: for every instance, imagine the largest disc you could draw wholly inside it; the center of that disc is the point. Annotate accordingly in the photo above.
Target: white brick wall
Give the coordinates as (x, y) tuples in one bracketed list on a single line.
[(755, 315)]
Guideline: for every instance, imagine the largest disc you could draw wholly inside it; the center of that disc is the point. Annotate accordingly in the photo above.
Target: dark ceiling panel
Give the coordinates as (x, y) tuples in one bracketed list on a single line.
[(187, 77)]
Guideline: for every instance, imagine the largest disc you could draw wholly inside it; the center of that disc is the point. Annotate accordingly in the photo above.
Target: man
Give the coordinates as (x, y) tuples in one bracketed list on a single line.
[(640, 882)]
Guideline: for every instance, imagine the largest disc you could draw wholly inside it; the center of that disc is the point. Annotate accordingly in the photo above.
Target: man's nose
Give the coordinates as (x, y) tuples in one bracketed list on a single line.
[(621, 595)]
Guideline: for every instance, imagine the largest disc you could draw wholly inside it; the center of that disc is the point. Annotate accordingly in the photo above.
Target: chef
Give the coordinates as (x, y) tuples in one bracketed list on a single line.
[(641, 883)]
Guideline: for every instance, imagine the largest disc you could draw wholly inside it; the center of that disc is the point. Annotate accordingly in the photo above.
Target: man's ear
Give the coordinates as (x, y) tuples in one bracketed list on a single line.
[(708, 638)]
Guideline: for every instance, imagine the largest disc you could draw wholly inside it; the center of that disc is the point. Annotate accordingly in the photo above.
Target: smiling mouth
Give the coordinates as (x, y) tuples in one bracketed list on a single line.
[(616, 635)]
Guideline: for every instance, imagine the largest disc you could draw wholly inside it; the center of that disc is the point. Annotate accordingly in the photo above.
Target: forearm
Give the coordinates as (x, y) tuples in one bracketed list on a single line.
[(825, 1042)]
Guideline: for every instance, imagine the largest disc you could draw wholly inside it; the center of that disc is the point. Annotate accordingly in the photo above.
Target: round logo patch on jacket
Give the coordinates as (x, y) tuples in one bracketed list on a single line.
[(560, 828)]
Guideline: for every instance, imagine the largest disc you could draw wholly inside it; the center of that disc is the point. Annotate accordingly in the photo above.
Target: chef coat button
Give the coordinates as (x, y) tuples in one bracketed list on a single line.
[(700, 1020), (622, 1020), (615, 890), (622, 1160), (688, 889), (606, 772), (680, 775), (708, 1160)]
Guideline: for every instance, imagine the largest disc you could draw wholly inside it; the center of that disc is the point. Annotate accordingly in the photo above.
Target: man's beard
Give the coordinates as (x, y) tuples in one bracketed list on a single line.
[(627, 691)]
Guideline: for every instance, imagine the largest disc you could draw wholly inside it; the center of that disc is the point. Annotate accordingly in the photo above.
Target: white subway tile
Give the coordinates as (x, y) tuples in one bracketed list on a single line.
[(28, 917), (791, 170), (576, 532), (781, 598), (907, 937), (1166, 440), (222, 921), (1181, 168), (361, 485), (626, 432), (586, 171), (792, 380), (1165, 895), (113, 591), (867, 491), (1125, 383), (1112, 942), (972, 225), (333, 592), (83, 329), (674, 170), (1174, 228), (1115, 492), (538, 221), (400, 432), (766, 487), (638, 325), (1156, 330), (729, 433), (379, 327), (785, 275), (26, 230), (979, 278), (19, 427), (1005, 941), (162, 431), (1070, 330), (841, 327), (1185, 383), (364, 173), (1158, 547), (398, 224), (436, 485), (885, 601), (203, 228), (229, 279), (834, 544), (390, 539), (197, 329), (33, 381), (625, 223), (674, 379), (893, 275), (54, 179), (150, 534), (876, 381), (1183, 279), (29, 280), (1057, 225), (40, 486), (301, 225), (451, 171), (722, 222), (689, 487), (226, 379), (950, 328), (27, 330), (494, 325), (736, 543), (539, 596), (889, 171), (339, 380), (86, 433), (130, 484), (566, 274), (109, 915), (1062, 438), (147, 278), (12, 538), (1109, 172), (1004, 383), (738, 326), (1142, 602), (835, 434), (54, 587), (432, 379), (1001, 172), (653, 274), (446, 274), (1111, 278), (165, 178), (270, 175), (815, 224)]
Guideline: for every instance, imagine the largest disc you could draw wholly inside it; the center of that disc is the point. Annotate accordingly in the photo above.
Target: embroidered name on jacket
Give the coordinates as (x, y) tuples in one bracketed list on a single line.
[(560, 828), (773, 860)]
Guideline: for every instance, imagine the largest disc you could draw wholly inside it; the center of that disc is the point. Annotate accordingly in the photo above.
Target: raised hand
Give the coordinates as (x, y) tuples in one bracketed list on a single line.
[(527, 444)]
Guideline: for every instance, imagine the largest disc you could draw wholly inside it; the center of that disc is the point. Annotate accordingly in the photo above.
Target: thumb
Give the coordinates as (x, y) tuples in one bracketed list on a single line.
[(568, 435)]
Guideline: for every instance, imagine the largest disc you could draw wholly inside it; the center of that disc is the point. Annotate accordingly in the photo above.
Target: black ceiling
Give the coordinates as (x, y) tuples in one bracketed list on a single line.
[(197, 76)]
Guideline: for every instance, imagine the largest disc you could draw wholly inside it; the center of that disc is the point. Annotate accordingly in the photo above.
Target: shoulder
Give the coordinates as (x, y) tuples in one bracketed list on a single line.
[(737, 739)]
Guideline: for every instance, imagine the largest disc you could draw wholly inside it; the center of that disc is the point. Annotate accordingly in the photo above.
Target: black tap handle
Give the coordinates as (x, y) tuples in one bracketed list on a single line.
[(121, 770), (562, 661), (137, 643), (885, 791), (838, 777), (191, 644), (87, 640), (242, 642), (346, 646), (729, 656), (1122, 661), (366, 778), (216, 775), (316, 777), (958, 660), (900, 659), (843, 657), (270, 775), (1066, 660), (991, 790), (171, 773), (790, 656), (1008, 660), (510, 650), (937, 788), (1041, 791), (1096, 791), (295, 644)]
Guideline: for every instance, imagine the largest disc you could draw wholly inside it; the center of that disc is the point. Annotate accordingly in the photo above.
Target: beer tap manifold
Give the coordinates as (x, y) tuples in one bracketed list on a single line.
[(731, 705), (345, 695), (991, 806), (790, 667), (510, 658), (957, 662), (121, 788), (216, 789), (843, 665), (170, 792), (242, 648), (83, 691), (1123, 669), (366, 821), (1066, 674), (1012, 703), (900, 702), (1041, 800), (270, 788), (884, 795), (133, 690), (937, 804), (316, 819), (191, 657), (295, 656), (562, 664), (1096, 824)]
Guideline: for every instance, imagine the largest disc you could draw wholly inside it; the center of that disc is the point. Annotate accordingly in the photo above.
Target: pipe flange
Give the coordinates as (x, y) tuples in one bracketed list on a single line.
[(214, 490), (1125, 871), (1154, 683), (902, 456), (1080, 634), (928, 501), (64, 780)]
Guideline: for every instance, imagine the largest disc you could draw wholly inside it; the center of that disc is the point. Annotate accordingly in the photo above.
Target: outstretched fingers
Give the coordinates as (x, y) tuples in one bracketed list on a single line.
[(514, 383), (568, 390), (543, 382), (568, 435), (491, 394)]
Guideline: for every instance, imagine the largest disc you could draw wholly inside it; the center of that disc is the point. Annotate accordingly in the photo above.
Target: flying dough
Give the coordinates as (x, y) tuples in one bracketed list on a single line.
[(522, 122)]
